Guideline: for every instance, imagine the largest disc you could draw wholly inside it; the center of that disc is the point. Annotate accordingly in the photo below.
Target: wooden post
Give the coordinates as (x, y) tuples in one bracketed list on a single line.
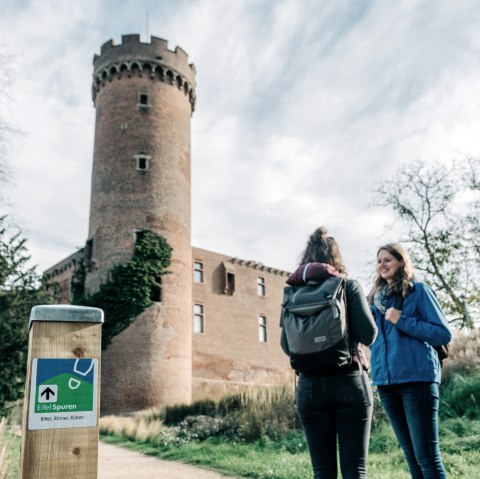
[(62, 393)]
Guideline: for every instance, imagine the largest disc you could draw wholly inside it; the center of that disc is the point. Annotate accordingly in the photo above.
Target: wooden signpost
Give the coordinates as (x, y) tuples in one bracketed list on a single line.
[(62, 393)]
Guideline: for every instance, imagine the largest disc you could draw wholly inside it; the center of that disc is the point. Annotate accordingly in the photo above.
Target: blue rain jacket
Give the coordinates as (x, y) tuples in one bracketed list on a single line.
[(403, 352)]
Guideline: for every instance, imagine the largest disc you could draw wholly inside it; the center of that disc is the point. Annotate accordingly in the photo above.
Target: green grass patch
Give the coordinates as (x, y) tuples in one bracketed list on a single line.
[(287, 457), (10, 453)]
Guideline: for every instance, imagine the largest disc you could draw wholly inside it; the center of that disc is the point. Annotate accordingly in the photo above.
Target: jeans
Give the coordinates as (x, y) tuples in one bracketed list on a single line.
[(412, 409), (336, 406)]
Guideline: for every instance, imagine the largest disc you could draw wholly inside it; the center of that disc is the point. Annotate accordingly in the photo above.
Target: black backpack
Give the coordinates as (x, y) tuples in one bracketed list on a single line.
[(314, 322)]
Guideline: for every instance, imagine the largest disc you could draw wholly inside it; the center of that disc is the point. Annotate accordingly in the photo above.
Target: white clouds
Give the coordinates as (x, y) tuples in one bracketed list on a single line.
[(302, 107)]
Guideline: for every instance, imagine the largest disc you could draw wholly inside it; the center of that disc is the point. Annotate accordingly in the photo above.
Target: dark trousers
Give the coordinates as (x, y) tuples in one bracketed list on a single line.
[(412, 409), (336, 406)]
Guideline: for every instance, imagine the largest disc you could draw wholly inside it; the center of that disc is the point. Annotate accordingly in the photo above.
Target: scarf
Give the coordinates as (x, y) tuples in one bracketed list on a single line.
[(316, 272), (381, 299)]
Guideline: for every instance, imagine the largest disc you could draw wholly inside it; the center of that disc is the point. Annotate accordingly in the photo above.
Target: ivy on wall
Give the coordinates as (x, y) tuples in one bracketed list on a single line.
[(128, 290)]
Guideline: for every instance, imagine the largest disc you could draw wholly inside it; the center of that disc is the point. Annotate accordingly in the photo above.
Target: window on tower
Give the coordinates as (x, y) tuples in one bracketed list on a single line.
[(138, 235), (142, 161), (88, 254), (143, 100), (156, 290), (89, 249)]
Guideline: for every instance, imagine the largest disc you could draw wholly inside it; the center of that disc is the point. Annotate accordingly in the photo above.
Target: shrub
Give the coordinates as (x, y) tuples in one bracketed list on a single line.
[(200, 427), (460, 396), (464, 355), (175, 414), (268, 412)]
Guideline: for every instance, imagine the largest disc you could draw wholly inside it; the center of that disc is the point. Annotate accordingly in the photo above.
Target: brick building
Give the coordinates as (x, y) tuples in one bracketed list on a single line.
[(215, 328)]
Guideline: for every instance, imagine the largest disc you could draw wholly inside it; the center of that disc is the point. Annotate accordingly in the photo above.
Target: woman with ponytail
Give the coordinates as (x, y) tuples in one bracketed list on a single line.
[(405, 365), (336, 403)]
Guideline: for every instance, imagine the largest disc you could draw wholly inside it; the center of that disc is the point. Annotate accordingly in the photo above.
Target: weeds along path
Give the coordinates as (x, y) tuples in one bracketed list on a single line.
[(119, 463)]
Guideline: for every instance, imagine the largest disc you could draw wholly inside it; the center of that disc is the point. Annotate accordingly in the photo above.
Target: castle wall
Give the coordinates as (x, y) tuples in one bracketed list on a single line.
[(62, 274), (229, 354)]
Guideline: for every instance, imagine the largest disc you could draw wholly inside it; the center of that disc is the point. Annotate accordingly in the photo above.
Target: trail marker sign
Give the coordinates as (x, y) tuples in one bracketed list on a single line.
[(63, 393)]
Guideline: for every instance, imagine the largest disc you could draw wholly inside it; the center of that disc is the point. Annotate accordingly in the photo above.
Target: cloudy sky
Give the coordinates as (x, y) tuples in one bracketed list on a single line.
[(303, 106)]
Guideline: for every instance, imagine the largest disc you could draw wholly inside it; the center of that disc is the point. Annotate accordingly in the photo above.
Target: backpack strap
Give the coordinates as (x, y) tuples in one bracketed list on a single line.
[(304, 274), (363, 374)]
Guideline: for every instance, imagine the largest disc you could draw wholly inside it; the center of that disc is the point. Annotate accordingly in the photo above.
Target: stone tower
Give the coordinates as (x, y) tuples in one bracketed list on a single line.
[(144, 95)]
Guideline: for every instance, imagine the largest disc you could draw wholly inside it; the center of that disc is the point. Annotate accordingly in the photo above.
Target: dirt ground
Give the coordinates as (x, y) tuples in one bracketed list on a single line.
[(119, 463)]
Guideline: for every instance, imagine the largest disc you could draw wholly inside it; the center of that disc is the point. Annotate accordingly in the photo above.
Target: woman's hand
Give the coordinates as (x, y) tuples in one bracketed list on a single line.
[(393, 315)]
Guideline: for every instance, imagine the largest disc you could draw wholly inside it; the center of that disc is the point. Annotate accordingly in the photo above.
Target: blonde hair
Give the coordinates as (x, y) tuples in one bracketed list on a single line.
[(402, 280)]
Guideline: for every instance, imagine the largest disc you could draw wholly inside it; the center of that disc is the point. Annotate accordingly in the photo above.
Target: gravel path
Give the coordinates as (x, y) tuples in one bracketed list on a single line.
[(119, 463)]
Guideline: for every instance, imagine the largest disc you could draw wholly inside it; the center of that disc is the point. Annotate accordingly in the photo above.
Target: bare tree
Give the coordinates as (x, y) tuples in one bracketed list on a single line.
[(7, 75), (438, 207)]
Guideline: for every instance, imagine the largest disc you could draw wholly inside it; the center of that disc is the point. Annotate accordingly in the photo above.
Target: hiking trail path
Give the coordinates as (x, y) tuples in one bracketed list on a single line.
[(116, 462)]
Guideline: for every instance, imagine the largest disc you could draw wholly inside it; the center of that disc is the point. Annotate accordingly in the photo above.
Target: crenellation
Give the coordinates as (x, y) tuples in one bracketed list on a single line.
[(66, 264), (160, 44), (130, 38), (156, 50), (181, 53), (105, 47), (258, 265)]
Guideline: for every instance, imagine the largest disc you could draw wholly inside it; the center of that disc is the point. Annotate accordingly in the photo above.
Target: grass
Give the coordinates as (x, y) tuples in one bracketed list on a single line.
[(9, 451), (264, 459)]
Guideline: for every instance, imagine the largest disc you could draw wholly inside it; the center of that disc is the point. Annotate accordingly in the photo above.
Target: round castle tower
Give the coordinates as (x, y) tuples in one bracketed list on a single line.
[(144, 95)]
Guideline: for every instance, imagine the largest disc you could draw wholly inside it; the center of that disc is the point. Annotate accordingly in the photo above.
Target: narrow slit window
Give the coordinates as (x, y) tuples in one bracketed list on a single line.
[(230, 286), (89, 250), (198, 272), (198, 319), (142, 162), (156, 290), (138, 235), (262, 329), (261, 286)]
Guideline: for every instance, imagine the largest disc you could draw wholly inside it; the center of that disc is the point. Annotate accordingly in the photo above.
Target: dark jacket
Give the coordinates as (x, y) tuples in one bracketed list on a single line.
[(403, 352), (362, 324)]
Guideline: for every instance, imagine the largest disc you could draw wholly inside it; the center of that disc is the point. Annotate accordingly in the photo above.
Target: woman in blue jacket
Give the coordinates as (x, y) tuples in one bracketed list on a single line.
[(405, 366)]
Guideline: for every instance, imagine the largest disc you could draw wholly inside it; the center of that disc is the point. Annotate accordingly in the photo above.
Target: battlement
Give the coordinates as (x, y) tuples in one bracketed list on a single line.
[(157, 49), (153, 59), (258, 265)]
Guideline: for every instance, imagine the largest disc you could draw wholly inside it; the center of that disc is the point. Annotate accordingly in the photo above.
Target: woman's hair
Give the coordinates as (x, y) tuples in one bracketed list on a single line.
[(322, 248), (402, 280)]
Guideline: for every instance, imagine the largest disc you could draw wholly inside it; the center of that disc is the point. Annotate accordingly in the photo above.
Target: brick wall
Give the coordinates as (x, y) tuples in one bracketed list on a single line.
[(229, 355)]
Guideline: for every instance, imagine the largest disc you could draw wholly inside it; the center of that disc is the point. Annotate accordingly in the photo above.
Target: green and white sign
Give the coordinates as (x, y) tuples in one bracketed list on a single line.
[(63, 393)]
